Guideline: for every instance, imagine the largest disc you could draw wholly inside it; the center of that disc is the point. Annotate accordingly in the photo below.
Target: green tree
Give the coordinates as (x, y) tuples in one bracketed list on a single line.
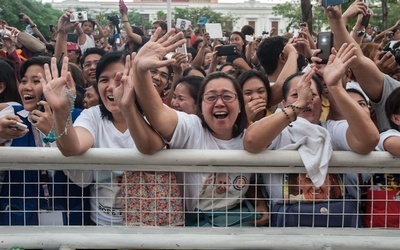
[(193, 14), (161, 15), (42, 14), (290, 11)]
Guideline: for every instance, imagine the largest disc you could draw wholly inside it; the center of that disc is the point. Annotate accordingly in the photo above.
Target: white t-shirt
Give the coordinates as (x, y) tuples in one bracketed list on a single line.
[(383, 136), (105, 202), (207, 191)]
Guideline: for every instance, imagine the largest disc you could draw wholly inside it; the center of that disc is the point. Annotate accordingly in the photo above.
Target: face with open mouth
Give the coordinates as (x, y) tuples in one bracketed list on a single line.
[(106, 86), (30, 88), (313, 113), (221, 113)]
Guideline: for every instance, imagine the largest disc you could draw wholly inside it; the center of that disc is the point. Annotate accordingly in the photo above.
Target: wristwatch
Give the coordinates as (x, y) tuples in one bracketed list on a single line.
[(360, 32)]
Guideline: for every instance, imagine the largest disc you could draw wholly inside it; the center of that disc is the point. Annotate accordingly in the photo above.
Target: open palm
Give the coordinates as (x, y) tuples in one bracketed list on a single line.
[(55, 85), (338, 63)]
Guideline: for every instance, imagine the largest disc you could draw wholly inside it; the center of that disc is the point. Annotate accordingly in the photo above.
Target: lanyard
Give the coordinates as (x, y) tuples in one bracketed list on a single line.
[(44, 180)]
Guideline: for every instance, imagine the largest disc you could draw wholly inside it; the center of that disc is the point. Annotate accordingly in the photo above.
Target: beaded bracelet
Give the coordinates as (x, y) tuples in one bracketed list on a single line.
[(287, 117), (52, 137), (294, 111), (297, 107)]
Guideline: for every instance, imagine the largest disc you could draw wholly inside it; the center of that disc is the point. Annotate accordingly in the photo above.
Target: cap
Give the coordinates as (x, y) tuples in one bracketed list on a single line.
[(73, 46)]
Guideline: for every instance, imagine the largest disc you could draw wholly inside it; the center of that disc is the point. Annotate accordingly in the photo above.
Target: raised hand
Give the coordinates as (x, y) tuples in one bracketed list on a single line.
[(304, 92), (151, 55), (122, 7), (64, 25), (123, 91), (338, 63), (357, 7), (54, 86)]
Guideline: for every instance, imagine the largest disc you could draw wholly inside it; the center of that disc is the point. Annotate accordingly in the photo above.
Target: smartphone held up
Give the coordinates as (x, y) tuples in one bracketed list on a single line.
[(325, 44)]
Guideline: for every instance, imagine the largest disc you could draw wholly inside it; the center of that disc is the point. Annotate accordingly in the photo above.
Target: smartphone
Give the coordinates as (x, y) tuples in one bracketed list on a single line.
[(249, 38), (181, 49), (72, 38), (327, 3), (325, 44), (19, 126), (365, 19), (226, 50), (40, 107)]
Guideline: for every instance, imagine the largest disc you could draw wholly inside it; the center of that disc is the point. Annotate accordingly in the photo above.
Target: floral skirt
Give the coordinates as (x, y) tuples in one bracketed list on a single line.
[(151, 199)]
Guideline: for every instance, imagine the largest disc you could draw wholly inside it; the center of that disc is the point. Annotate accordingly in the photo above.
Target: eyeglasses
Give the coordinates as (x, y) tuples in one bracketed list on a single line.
[(227, 97), (161, 73)]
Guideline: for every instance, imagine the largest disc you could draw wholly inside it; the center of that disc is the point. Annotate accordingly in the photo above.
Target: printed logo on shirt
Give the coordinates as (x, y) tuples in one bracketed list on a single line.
[(240, 182), (110, 211)]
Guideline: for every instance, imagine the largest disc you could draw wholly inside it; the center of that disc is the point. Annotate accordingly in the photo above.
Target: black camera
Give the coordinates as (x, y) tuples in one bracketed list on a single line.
[(114, 20), (395, 52), (265, 32)]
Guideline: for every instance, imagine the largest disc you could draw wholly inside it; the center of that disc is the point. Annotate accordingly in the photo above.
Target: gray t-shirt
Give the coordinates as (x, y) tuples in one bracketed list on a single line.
[(389, 84)]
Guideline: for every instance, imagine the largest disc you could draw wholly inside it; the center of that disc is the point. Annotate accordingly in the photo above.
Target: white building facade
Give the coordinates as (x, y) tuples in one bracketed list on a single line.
[(255, 13)]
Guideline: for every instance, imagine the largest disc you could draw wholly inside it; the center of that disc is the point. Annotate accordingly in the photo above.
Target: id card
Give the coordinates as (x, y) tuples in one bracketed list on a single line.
[(51, 218)]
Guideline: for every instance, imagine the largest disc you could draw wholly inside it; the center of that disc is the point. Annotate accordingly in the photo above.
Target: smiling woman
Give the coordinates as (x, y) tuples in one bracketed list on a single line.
[(218, 124), (106, 126), (29, 198)]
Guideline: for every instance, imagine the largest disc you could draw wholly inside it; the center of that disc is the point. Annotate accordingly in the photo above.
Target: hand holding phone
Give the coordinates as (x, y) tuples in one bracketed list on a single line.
[(365, 19), (122, 7), (327, 3), (19, 126), (226, 50), (325, 44)]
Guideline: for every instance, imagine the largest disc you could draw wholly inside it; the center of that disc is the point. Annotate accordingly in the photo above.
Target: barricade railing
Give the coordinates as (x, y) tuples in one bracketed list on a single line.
[(210, 161)]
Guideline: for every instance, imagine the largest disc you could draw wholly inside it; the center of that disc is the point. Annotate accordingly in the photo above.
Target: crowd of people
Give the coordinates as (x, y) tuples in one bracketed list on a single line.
[(272, 93)]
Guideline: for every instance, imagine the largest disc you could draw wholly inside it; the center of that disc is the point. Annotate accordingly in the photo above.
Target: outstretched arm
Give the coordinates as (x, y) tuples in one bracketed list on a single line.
[(150, 56), (146, 139), (365, 70), (261, 133), (59, 92), (362, 134)]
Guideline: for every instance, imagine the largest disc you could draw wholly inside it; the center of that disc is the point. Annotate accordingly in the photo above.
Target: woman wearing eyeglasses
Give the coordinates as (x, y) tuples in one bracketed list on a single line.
[(218, 124)]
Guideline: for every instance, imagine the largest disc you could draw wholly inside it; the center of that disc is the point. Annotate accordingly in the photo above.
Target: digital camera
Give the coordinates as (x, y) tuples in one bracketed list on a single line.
[(78, 16)]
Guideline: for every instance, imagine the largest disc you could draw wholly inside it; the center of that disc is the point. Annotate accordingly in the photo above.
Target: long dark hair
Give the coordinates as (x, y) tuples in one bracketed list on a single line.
[(7, 77), (241, 120), (392, 106)]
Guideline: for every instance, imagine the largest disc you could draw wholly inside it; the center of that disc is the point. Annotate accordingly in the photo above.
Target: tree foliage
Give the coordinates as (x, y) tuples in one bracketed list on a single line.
[(293, 14), (290, 11), (41, 14)]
